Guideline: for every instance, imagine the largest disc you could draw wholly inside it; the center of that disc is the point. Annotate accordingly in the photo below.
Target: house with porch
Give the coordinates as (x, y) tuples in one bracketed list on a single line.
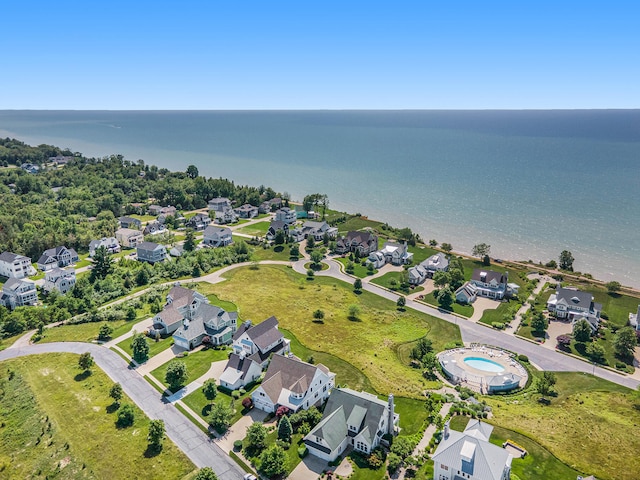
[(350, 418), (634, 319), (274, 226), (151, 252), (240, 371), (110, 244), (60, 279), (286, 215), (490, 284), (292, 383), (467, 293), (199, 222), (246, 211), (436, 263), (18, 293), (469, 455), (575, 305), (361, 243), (391, 252), (130, 222), (13, 265), (57, 257), (154, 228), (217, 237), (317, 230), (225, 216), (417, 275), (129, 238)]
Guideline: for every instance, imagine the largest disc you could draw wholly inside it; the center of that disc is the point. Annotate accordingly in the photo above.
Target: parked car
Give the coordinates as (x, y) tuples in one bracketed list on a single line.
[(248, 476)]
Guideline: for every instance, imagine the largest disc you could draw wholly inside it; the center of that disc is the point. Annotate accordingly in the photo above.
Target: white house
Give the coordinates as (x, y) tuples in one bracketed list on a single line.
[(436, 263), (286, 215), (292, 383), (57, 257), (240, 371), (417, 275), (154, 228), (18, 293), (109, 243), (226, 215), (377, 259), (469, 455), (467, 293), (575, 305), (60, 279), (246, 211), (362, 243), (13, 265), (317, 230), (129, 238), (219, 204), (217, 236), (491, 284), (634, 319), (350, 418)]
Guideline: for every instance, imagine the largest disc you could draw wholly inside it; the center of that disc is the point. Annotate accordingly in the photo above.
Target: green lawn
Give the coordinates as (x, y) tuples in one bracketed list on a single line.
[(292, 458), (279, 252), (83, 261), (413, 415), (359, 271), (154, 347), (59, 424), (8, 341), (464, 310), (358, 223), (83, 332), (498, 314), (421, 253), (199, 403), (588, 415), (258, 229), (198, 363), (538, 464), (143, 218), (368, 342)]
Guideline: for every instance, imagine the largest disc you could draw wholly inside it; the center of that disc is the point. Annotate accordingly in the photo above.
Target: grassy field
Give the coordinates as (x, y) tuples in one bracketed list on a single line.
[(258, 229), (464, 310), (7, 342), (388, 279), (199, 403), (367, 341), (358, 223), (154, 347), (83, 332), (279, 252), (358, 270), (198, 363), (59, 424), (588, 415), (538, 464), (421, 253)]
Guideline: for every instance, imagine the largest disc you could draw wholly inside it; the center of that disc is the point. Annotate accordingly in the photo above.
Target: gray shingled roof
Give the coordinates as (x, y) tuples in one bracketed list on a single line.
[(574, 297), (263, 334), (499, 277), (9, 257)]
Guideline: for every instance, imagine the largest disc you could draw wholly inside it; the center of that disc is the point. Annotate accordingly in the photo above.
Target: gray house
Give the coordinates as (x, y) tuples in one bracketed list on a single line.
[(60, 279), (57, 257), (575, 305), (490, 284), (318, 229), (130, 222), (362, 243), (217, 237), (154, 228), (151, 252), (219, 204), (109, 243), (246, 211), (199, 222), (18, 293)]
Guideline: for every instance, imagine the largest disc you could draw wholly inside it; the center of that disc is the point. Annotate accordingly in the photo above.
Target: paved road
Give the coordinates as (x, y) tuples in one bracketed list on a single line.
[(190, 439)]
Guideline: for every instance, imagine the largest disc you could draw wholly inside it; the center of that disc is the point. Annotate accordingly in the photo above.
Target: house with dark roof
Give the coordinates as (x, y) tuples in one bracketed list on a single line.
[(469, 455), (109, 243), (219, 204), (130, 222), (154, 228), (260, 341), (467, 293), (159, 210), (13, 265), (274, 226), (317, 230), (199, 222), (350, 418), (270, 205), (362, 243), (151, 252), (292, 383), (240, 371), (57, 257), (60, 279), (490, 284), (18, 293), (575, 305), (129, 237), (246, 211), (217, 236)]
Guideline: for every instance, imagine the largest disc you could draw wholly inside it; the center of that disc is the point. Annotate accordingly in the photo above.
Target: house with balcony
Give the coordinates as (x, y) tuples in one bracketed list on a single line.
[(60, 279), (274, 226), (219, 204), (361, 243), (217, 237), (575, 305), (469, 455), (151, 252), (110, 244), (318, 230), (246, 211), (57, 257), (13, 265), (351, 419), (286, 215), (130, 222), (292, 383), (129, 238), (154, 228), (18, 293), (490, 284), (225, 216), (391, 252), (199, 222)]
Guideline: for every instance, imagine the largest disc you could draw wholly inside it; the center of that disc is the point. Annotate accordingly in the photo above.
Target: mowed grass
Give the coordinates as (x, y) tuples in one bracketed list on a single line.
[(538, 464), (198, 363), (358, 270), (59, 424), (258, 229), (588, 415), (278, 252), (387, 281), (464, 310), (197, 402), (8, 341), (368, 341), (155, 347), (358, 223), (83, 332)]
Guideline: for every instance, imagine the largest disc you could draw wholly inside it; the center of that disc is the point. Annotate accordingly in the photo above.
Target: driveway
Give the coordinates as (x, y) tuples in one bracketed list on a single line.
[(189, 438), (480, 305)]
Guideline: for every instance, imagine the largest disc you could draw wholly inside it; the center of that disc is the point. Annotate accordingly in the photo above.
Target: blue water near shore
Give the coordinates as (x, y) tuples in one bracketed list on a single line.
[(529, 183)]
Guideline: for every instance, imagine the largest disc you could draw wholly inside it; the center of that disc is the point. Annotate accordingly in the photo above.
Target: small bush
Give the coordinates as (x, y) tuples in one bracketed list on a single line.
[(237, 445), (498, 325), (235, 394), (523, 358), (303, 451)]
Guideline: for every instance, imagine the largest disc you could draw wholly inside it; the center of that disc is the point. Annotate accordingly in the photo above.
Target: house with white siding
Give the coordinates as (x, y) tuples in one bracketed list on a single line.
[(217, 237), (13, 265), (575, 305), (129, 237), (18, 293), (60, 279), (109, 243), (57, 257)]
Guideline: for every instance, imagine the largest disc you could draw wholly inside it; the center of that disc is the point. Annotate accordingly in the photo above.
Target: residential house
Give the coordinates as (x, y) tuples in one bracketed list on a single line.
[(129, 238), (154, 228), (296, 234), (57, 257), (13, 265), (467, 293), (60, 279), (269, 205), (377, 259), (30, 168), (130, 222), (274, 226), (217, 237), (199, 222), (350, 418), (253, 345), (317, 230), (158, 210), (417, 275), (246, 211), (575, 305), (292, 383), (179, 300), (219, 204), (634, 319), (18, 293), (435, 263), (286, 215), (60, 159), (470, 455), (227, 215), (362, 243), (151, 252), (397, 253), (490, 284), (110, 244)]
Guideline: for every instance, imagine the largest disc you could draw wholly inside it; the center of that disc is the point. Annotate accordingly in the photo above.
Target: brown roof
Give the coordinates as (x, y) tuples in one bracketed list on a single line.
[(289, 373), (262, 334)]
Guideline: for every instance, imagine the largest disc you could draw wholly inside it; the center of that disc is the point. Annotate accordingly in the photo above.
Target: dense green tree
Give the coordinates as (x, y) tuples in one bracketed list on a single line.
[(105, 332), (447, 247), (401, 302), (189, 240), (294, 251), (357, 285), (116, 392), (480, 250), (544, 385), (445, 298), (126, 416), (284, 429), (280, 237), (102, 264), (440, 279), (140, 348), (393, 462), (596, 352), (220, 416), (316, 257), (156, 433), (210, 389), (256, 436), (539, 323), (176, 375), (318, 314), (566, 260), (625, 342), (273, 461), (613, 286), (311, 243), (85, 361), (205, 473), (582, 331), (423, 347), (192, 171), (354, 311)]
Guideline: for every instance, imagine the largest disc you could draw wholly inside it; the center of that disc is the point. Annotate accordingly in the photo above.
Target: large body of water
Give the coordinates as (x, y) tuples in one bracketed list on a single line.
[(529, 183)]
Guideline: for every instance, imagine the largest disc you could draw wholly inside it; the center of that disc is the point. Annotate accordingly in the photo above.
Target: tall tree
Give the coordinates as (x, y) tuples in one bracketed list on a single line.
[(176, 375), (189, 240), (156, 433), (140, 348), (210, 389), (102, 264), (566, 260), (445, 298), (192, 171), (481, 250), (284, 429), (116, 392), (273, 461), (625, 342), (582, 331), (85, 361), (256, 435)]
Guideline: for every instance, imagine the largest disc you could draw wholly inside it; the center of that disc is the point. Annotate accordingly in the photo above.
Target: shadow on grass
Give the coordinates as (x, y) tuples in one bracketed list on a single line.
[(113, 408), (82, 376), (206, 410), (353, 318), (152, 450), (321, 322), (358, 292), (278, 248)]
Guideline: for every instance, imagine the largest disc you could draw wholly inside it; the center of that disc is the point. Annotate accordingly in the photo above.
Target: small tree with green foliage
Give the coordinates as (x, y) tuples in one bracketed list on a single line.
[(354, 311), (447, 247), (294, 251), (357, 285), (131, 314), (126, 416), (279, 237), (189, 240), (539, 323), (210, 389), (445, 298), (205, 473), (625, 342), (433, 243), (256, 436), (613, 287), (284, 429), (176, 375), (156, 434), (140, 348), (596, 352), (318, 314), (582, 331), (105, 332), (273, 461), (192, 171), (401, 302), (116, 393), (85, 361), (481, 250), (566, 260), (220, 416), (311, 243), (545, 384), (316, 258)]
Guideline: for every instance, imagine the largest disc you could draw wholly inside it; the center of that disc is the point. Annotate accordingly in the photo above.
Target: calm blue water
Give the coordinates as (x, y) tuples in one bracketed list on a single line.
[(484, 364), (529, 183)]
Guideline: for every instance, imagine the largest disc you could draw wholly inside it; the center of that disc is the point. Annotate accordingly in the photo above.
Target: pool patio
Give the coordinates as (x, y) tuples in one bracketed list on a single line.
[(464, 366)]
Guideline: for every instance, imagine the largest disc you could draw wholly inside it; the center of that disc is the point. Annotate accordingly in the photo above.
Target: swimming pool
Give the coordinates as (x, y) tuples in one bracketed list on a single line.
[(484, 364)]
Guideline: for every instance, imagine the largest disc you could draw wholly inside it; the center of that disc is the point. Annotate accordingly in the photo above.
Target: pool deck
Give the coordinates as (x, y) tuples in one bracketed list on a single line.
[(474, 378)]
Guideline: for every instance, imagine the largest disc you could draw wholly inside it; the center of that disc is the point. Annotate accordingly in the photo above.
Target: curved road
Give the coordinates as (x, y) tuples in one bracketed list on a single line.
[(190, 439)]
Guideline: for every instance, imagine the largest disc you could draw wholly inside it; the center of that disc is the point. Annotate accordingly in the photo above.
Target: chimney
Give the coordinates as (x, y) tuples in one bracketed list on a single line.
[(390, 429), (445, 432)]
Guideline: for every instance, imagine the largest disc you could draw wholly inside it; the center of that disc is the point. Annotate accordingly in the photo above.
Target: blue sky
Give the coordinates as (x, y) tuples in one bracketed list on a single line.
[(319, 55)]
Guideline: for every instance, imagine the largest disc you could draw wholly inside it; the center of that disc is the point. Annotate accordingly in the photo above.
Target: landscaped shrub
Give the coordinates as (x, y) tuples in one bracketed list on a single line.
[(523, 358), (247, 403), (235, 394), (303, 451), (237, 445), (498, 325)]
